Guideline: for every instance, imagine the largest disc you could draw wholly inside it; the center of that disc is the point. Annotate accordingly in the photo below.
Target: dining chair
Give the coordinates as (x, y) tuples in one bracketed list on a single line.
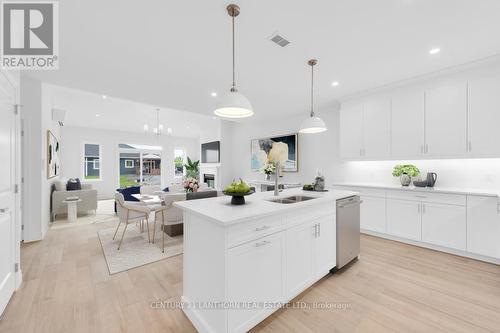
[(130, 212)]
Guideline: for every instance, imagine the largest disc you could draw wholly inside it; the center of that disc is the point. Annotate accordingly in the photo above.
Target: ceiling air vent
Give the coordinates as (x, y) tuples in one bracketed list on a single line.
[(280, 40)]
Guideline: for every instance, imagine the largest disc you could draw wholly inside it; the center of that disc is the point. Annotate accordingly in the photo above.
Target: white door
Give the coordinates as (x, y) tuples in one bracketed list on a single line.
[(483, 226), (351, 130), (404, 219), (298, 264), (407, 123), (444, 225), (7, 196), (446, 120), (372, 214), (254, 275), (376, 127), (324, 255), (484, 116)]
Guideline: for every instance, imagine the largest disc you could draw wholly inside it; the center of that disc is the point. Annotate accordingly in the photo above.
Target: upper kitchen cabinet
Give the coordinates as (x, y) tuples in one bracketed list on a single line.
[(407, 123), (351, 133), (376, 127), (484, 116), (446, 120)]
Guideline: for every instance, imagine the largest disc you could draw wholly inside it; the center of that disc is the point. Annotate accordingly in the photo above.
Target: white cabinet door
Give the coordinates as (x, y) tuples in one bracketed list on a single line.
[(376, 127), (444, 225), (298, 258), (446, 120), (372, 214), (407, 123), (404, 219), (324, 253), (484, 116), (483, 226), (351, 130), (254, 275)]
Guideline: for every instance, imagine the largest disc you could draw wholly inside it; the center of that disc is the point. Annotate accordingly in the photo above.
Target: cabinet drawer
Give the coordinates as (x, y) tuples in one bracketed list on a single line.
[(450, 199), (307, 215), (251, 230)]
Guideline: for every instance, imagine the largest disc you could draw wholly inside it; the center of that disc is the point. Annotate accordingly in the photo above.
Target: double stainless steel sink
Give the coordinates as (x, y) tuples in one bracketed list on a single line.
[(292, 199)]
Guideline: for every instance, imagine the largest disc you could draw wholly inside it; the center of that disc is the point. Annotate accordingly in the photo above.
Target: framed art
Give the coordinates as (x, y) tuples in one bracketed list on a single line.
[(260, 149)]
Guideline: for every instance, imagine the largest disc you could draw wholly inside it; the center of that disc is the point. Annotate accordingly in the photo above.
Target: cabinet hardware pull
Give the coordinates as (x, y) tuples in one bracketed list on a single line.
[(423, 208), (265, 227), (262, 243), (426, 148), (421, 149), (360, 152), (315, 230), (4, 210), (319, 229), (420, 196), (419, 207), (470, 146)]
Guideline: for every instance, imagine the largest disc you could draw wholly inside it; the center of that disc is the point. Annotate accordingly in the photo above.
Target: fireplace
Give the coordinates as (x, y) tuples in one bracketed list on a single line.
[(209, 179)]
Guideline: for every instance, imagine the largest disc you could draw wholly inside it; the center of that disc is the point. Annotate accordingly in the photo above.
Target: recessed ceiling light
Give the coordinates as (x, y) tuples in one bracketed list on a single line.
[(97, 115), (434, 51), (335, 83), (214, 94), (104, 96)]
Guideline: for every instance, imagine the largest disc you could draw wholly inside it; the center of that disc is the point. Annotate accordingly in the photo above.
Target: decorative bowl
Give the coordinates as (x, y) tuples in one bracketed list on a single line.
[(238, 198), (420, 183)]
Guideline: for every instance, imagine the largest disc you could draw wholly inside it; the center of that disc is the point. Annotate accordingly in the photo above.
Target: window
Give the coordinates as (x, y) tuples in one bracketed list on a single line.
[(91, 161), (179, 156), (139, 165)]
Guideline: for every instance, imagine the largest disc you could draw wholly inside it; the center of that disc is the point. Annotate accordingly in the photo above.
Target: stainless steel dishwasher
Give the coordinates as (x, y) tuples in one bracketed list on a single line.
[(348, 233)]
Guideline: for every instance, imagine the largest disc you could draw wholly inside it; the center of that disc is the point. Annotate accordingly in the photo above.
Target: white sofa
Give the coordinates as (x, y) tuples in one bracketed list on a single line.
[(86, 194)]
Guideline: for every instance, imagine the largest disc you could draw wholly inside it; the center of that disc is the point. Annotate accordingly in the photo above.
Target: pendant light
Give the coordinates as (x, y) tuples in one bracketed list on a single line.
[(233, 104), (312, 124)]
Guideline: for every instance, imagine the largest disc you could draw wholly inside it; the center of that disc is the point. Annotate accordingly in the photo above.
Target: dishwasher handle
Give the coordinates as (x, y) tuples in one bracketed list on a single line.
[(351, 204)]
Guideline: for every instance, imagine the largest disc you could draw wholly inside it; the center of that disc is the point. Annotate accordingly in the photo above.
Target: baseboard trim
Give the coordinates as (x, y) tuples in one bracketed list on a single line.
[(433, 247)]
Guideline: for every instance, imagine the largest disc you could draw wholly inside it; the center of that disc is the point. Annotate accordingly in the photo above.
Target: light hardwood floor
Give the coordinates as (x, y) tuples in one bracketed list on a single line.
[(393, 288)]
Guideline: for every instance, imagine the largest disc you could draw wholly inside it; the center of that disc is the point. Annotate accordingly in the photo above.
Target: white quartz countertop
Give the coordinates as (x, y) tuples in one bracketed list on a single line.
[(220, 210), (446, 190)]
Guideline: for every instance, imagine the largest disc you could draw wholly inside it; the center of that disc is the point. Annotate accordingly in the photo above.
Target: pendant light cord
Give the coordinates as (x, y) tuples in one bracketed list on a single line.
[(234, 75), (312, 90)]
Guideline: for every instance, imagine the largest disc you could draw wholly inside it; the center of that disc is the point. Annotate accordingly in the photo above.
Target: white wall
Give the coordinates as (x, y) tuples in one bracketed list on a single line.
[(315, 151), (73, 138), (36, 115)]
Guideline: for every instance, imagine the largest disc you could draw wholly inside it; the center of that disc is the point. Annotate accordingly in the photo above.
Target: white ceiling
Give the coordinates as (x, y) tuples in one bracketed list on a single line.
[(90, 110), (175, 53)]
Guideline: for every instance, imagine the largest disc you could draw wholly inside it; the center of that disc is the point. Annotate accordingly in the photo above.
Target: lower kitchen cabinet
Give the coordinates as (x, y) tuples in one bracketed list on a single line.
[(404, 219), (254, 275), (483, 226), (310, 253), (444, 225), (372, 214)]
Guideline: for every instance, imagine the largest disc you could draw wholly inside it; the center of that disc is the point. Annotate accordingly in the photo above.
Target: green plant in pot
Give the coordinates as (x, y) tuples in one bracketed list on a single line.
[(405, 172), (192, 169)]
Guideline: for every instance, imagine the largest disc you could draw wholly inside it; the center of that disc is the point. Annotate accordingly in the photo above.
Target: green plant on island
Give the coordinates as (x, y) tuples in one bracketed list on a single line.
[(405, 169), (237, 187)]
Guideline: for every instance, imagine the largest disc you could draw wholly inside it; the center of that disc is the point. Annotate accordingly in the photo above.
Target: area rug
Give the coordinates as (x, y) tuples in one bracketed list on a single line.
[(135, 250)]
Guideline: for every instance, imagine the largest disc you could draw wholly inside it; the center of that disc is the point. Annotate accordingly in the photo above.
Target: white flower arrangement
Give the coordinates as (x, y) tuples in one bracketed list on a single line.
[(268, 168)]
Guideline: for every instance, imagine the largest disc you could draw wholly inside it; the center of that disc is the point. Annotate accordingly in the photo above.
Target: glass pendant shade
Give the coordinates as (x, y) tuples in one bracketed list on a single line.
[(234, 105)]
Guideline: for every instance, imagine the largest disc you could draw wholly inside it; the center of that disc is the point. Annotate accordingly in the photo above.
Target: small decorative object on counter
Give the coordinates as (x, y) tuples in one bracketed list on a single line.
[(319, 182), (268, 169), (405, 172), (191, 185), (238, 191)]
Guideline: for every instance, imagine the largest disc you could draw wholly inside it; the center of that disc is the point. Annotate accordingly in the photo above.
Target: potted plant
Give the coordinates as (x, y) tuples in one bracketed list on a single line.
[(405, 172), (268, 169), (192, 169)]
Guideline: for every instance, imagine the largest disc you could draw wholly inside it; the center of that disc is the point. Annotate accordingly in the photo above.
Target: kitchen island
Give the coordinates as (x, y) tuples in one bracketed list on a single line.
[(241, 263)]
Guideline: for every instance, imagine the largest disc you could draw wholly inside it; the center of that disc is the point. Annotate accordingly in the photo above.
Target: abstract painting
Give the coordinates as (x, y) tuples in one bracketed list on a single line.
[(260, 149), (53, 147)]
